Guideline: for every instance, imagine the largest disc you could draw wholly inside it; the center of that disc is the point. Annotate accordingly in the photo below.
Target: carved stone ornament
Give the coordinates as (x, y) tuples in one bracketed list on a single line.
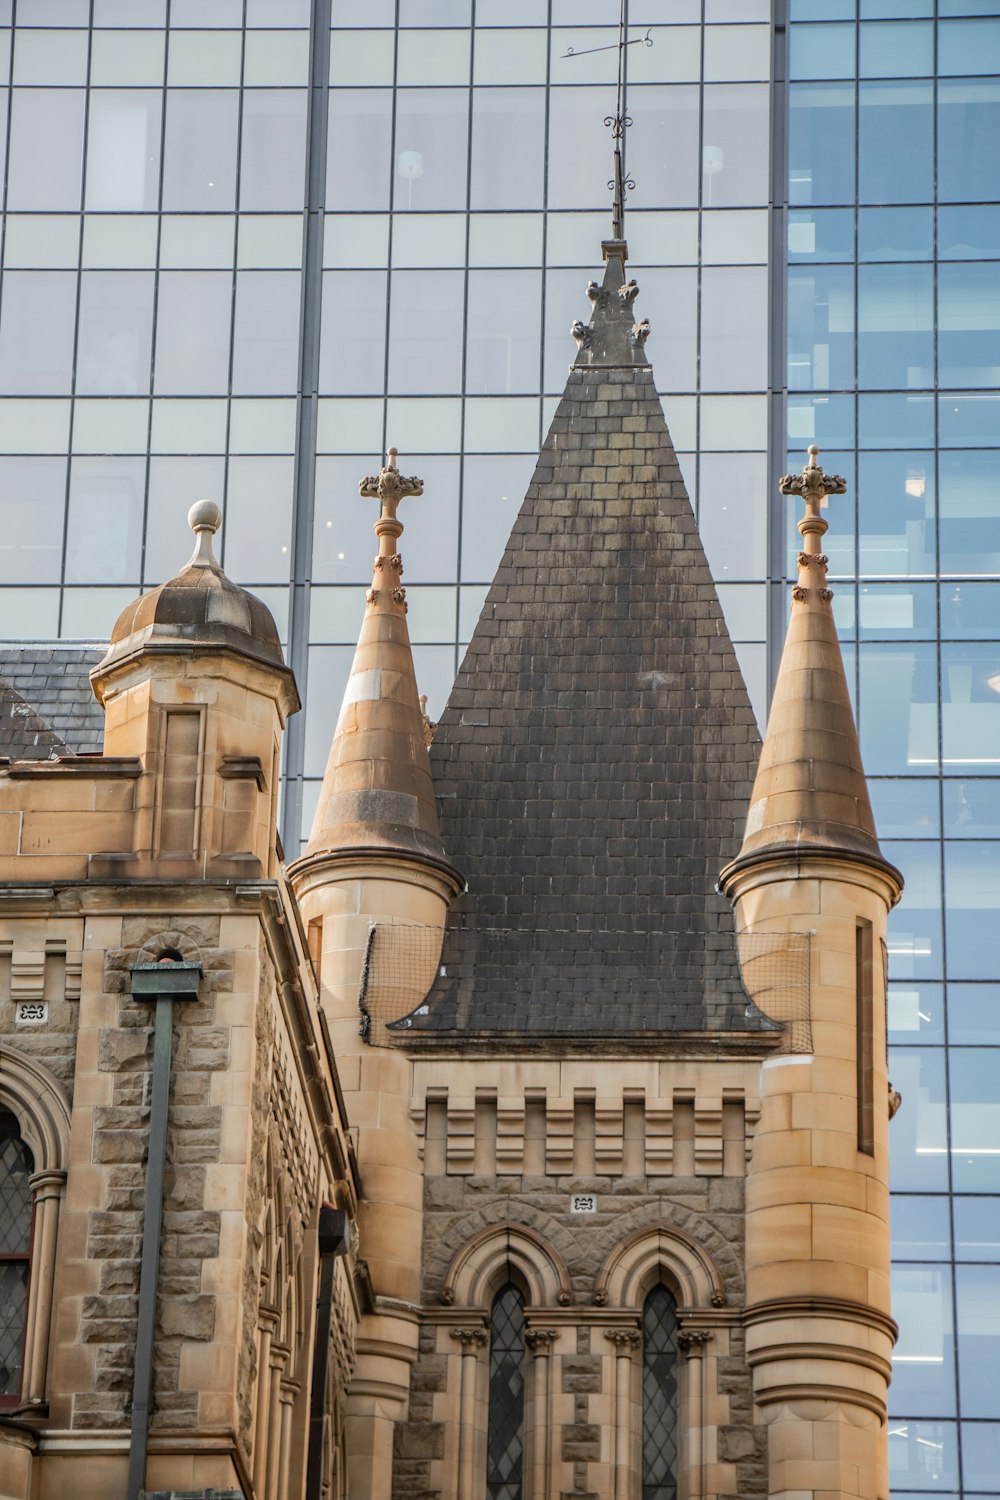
[(826, 595), (600, 1299), (398, 596), (718, 1299), (623, 1339), (540, 1340), (584, 336), (389, 486), (379, 563), (470, 1339), (593, 292), (895, 1100), (799, 593), (628, 292), (396, 563), (640, 333), (564, 1298), (812, 484), (808, 559), (446, 1296), (372, 596), (692, 1340)]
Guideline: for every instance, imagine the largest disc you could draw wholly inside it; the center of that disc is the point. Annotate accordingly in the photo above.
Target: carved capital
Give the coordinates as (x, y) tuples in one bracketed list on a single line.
[(693, 1340), (624, 1339), (540, 1340), (470, 1339)]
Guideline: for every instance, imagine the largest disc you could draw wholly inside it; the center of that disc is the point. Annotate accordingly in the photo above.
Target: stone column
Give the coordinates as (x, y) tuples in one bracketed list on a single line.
[(692, 1342), (47, 1189), (280, 1354), (267, 1322), (288, 1467), (471, 1341), (539, 1342), (625, 1341)]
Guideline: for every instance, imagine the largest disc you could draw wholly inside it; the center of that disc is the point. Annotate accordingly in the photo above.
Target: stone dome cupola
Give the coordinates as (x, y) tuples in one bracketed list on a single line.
[(198, 609)]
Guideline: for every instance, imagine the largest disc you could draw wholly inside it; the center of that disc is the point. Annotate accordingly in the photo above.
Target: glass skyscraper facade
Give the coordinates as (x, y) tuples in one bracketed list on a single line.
[(248, 243)]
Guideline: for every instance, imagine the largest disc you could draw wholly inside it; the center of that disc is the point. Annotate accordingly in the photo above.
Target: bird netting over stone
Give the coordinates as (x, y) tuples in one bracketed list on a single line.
[(418, 981)]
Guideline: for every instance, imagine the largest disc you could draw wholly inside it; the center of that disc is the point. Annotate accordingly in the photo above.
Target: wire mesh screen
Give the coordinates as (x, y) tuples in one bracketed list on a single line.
[(407, 967)]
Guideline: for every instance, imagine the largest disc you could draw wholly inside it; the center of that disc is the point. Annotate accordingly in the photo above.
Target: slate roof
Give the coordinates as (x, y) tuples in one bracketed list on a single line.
[(52, 684), (595, 759)]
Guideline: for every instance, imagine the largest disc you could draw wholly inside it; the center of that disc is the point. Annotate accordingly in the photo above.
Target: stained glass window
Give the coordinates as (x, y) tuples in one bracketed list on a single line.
[(505, 1448), (16, 1166), (659, 1396)]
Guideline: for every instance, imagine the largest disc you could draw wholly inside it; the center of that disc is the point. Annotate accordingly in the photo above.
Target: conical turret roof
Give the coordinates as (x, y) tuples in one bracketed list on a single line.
[(810, 794), (377, 796), (594, 761)]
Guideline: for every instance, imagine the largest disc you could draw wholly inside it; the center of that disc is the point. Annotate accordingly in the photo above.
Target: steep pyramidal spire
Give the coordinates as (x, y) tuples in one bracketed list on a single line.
[(377, 793), (810, 793), (595, 758)]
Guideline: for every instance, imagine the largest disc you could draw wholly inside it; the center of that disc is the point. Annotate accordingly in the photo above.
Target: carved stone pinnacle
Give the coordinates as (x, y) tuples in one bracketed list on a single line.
[(812, 484), (389, 486)]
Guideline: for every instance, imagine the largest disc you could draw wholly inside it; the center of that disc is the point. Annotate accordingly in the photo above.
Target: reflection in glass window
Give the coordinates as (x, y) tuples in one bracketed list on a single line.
[(895, 327), (258, 522), (973, 1009), (736, 130), (36, 332), (897, 611), (273, 149), (822, 51), (46, 149), (895, 143), (920, 1228), (425, 332), (734, 314), (731, 485), (895, 421), (977, 1228), (915, 1011), (905, 809), (919, 1157), (494, 487), (360, 140), (123, 149), (975, 1108), (104, 527), (32, 503), (115, 333), (897, 514), (969, 325), (915, 924), (969, 421), (923, 1361), (823, 234), (821, 143), (922, 1456), (199, 149), (969, 231), (429, 170), (192, 332), (895, 234), (970, 708), (508, 148), (977, 1292), (174, 485), (577, 138), (820, 327), (968, 164), (969, 611), (266, 333), (981, 1455), (502, 323), (661, 151), (352, 338), (896, 49)]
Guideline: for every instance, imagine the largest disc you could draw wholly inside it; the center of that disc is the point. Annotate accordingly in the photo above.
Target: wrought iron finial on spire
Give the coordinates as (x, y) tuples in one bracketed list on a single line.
[(620, 184)]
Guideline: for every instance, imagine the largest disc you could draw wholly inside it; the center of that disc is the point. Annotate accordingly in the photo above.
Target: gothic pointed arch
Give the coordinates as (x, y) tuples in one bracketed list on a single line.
[(39, 1101), (496, 1253), (659, 1252)]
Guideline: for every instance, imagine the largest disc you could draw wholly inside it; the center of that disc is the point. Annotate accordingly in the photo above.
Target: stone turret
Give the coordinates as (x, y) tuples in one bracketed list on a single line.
[(195, 685), (375, 857), (819, 1331)]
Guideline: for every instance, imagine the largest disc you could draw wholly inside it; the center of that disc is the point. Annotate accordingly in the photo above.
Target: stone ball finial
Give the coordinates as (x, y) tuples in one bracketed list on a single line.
[(205, 515), (813, 452)]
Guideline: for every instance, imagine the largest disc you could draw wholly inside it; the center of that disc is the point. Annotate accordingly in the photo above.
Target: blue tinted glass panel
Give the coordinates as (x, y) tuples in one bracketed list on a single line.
[(969, 231), (977, 1228), (900, 50), (899, 710), (975, 1131), (822, 234), (903, 9), (822, 51), (895, 143), (968, 140), (923, 1456), (826, 420), (971, 421), (923, 1361), (970, 710), (895, 234), (969, 46), (820, 327), (981, 1453), (897, 611), (822, 10), (969, 325), (919, 1157), (916, 1009), (821, 144), (896, 327), (921, 1228), (915, 925), (906, 809), (970, 611), (977, 1294), (896, 422), (897, 513), (973, 1009), (970, 512)]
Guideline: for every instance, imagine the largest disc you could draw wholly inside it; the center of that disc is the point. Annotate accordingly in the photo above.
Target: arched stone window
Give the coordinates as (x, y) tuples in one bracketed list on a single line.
[(16, 1168), (659, 1396), (505, 1422)]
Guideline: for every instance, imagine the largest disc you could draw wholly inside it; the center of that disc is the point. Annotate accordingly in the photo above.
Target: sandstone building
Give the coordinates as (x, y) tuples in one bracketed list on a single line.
[(525, 1138)]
